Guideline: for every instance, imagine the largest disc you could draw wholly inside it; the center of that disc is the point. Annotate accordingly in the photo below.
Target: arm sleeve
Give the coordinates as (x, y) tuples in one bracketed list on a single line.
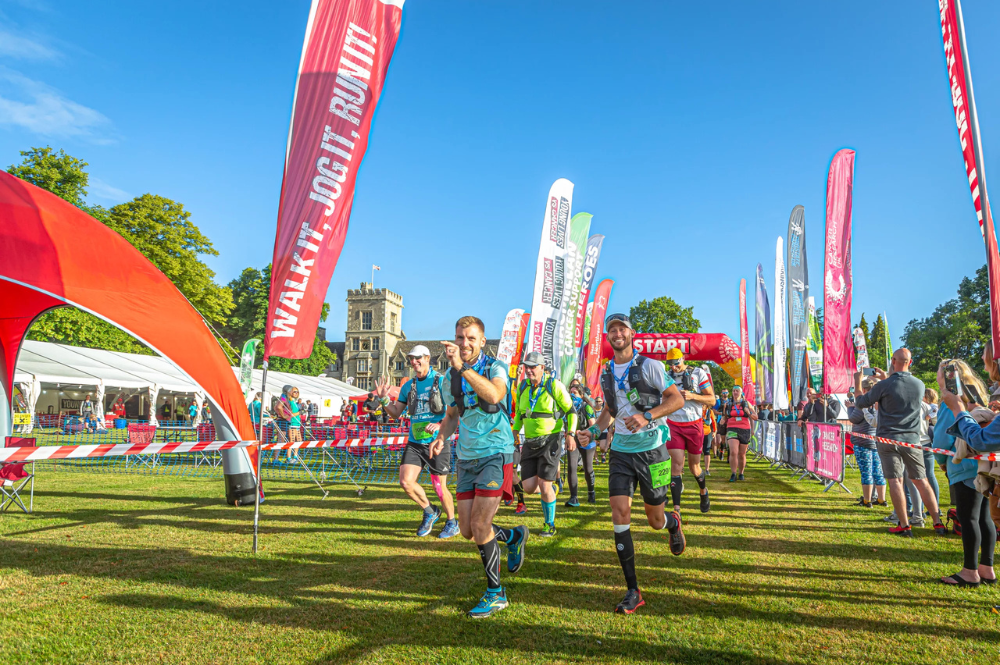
[(869, 398), (983, 439), (855, 415), (565, 404)]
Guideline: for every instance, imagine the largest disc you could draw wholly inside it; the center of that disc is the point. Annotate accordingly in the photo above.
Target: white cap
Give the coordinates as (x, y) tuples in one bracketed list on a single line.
[(418, 351)]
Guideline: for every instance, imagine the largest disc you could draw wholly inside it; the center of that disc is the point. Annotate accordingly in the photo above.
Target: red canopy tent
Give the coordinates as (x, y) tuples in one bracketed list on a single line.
[(54, 254)]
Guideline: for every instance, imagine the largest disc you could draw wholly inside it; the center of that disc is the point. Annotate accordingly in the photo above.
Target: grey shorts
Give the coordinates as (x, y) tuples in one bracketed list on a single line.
[(486, 476), (897, 458)]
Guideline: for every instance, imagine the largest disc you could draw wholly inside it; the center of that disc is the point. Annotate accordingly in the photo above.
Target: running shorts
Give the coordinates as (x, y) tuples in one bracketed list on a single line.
[(486, 476), (741, 435), (686, 436), (626, 470), (418, 454), (540, 457)]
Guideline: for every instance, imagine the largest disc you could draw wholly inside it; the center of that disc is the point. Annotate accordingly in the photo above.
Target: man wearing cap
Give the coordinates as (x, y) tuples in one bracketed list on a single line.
[(545, 410), (639, 395), (423, 399), (687, 430)]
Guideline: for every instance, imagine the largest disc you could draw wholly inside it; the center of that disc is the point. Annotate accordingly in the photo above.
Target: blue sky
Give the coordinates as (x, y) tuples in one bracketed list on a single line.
[(689, 130)]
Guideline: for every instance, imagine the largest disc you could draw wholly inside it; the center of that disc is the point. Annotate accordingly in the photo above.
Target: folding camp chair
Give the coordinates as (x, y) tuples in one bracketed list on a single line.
[(13, 478)]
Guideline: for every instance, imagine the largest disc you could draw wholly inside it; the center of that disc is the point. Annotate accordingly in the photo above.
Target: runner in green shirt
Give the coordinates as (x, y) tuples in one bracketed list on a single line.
[(545, 410)]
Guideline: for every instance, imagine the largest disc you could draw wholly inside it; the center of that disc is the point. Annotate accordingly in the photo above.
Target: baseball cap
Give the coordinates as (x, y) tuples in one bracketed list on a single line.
[(623, 318), (533, 359), (675, 354), (418, 351)]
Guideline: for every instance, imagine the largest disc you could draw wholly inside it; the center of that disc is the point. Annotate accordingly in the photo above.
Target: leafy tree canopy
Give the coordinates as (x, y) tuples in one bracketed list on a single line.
[(663, 315), (56, 172)]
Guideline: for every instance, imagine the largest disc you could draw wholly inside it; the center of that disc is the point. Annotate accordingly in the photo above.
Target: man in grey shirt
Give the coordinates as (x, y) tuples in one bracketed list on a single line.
[(899, 396)]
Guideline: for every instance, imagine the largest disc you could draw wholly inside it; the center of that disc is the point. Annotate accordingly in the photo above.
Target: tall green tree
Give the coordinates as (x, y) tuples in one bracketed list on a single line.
[(57, 172), (864, 331), (876, 351), (663, 315), (958, 328), (248, 318)]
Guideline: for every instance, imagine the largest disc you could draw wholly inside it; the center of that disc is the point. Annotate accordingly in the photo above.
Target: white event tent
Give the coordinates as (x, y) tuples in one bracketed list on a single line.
[(47, 372)]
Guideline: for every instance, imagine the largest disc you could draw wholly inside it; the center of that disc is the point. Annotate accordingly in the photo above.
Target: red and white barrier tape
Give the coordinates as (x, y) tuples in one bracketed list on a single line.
[(34, 454), (986, 457)]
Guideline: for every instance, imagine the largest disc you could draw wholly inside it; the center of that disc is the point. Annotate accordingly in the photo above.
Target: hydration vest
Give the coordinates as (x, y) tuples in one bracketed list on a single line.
[(459, 396), (687, 381), (435, 403), (547, 386), (649, 396), (738, 410)]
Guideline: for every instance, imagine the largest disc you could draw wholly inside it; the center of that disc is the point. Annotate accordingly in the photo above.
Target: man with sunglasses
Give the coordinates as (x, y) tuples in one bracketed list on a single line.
[(687, 431), (639, 395)]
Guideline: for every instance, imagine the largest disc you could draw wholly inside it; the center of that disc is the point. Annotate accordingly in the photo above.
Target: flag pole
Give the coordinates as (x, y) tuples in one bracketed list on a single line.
[(260, 441)]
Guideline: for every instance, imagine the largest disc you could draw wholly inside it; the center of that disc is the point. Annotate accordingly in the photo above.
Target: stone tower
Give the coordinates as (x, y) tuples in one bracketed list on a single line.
[(374, 328)]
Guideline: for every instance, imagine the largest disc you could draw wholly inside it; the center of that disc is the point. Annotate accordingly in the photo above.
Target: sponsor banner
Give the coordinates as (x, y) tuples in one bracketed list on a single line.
[(567, 350), (745, 368), (590, 258), (860, 350), (550, 273), (763, 339), (824, 445), (247, 358), (595, 342), (795, 453), (508, 336), (778, 334), (798, 294), (345, 57), (814, 347), (956, 55), (769, 435), (838, 355)]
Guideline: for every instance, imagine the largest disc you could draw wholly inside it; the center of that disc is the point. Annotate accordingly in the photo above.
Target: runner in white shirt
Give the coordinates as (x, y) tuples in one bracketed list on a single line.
[(687, 431)]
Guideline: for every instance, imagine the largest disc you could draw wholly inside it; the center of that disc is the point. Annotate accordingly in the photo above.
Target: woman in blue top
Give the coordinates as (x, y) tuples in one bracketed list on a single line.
[(979, 535)]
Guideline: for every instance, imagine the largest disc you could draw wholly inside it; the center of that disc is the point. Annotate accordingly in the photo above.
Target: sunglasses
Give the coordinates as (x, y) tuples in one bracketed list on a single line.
[(674, 363), (617, 317)]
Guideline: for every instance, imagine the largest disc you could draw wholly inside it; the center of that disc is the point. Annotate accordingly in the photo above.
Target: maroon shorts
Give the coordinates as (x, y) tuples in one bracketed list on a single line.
[(687, 436)]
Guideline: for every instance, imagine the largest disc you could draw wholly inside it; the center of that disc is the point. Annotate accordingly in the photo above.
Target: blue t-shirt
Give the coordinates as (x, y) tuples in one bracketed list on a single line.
[(482, 434), (422, 416)]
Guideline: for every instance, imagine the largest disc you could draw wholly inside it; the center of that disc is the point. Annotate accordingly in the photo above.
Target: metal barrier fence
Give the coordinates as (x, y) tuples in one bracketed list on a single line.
[(360, 465), (818, 450)]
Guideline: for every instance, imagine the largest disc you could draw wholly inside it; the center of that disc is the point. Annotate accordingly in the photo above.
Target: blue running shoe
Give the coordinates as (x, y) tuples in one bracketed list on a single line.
[(450, 529), (491, 603), (428, 523), (515, 549)]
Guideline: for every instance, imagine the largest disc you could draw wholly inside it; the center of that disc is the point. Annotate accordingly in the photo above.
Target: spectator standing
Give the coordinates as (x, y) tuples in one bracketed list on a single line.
[(192, 411), (899, 396), (978, 531), (87, 407), (313, 411), (255, 411), (865, 452)]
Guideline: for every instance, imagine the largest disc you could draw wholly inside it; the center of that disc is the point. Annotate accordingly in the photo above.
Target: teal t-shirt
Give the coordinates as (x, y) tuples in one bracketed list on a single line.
[(640, 442), (482, 434), (420, 419), (295, 420)]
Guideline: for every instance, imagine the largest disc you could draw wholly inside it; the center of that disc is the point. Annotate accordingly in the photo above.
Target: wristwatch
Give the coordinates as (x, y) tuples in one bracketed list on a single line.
[(466, 366), (648, 416)]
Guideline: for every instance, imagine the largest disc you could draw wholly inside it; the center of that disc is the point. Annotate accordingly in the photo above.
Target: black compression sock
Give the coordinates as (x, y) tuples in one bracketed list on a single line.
[(676, 487), (503, 535), (671, 523), (490, 553), (701, 480), (519, 490), (590, 481), (626, 556)]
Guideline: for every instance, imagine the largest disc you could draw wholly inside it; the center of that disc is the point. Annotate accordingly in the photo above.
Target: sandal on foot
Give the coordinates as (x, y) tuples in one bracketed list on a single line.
[(988, 581), (960, 581)]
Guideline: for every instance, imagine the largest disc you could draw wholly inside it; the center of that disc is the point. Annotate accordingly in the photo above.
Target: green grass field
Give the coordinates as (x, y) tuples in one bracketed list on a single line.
[(137, 569)]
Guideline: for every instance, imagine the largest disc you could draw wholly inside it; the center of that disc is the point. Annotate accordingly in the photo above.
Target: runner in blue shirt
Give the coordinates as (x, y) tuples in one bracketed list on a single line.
[(422, 397), (477, 391)]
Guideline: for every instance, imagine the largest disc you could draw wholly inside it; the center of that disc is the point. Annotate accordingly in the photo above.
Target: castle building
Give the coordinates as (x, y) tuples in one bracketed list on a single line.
[(374, 344)]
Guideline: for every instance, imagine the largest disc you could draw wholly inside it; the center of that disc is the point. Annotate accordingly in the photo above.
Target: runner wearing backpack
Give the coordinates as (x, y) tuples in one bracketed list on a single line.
[(545, 409), (422, 398)]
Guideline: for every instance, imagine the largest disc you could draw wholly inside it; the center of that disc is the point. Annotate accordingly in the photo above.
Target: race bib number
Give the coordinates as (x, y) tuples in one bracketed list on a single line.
[(420, 433), (633, 396), (660, 473), (738, 419)]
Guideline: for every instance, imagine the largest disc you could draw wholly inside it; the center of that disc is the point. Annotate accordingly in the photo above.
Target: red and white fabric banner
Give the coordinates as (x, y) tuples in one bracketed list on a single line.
[(346, 55), (593, 363), (956, 55), (838, 343), (749, 391)]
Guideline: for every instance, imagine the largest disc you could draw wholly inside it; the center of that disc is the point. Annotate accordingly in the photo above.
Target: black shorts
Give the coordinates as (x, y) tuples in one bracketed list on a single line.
[(418, 454), (625, 470), (540, 457), (741, 435), (707, 445)]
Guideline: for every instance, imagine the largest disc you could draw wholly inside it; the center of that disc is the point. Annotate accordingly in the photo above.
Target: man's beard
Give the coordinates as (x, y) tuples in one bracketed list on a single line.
[(620, 345)]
